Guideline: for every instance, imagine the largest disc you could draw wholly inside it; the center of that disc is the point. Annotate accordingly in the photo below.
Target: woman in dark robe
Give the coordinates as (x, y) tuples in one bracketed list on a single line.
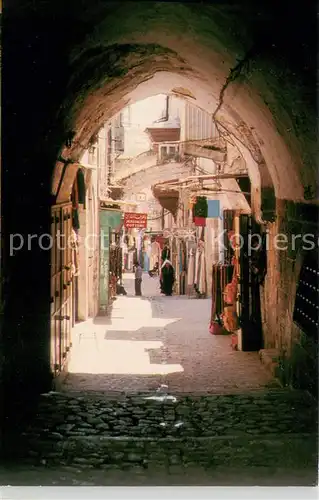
[(167, 278), (166, 253)]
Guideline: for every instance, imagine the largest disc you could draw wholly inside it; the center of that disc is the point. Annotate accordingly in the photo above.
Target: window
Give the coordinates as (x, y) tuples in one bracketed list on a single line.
[(163, 152)]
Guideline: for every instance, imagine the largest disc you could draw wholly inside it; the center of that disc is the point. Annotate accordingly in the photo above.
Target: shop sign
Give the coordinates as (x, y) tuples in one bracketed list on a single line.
[(135, 220)]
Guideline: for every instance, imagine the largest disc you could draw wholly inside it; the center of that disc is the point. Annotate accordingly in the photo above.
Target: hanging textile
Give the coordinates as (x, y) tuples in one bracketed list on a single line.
[(202, 273), (228, 222), (197, 266), (75, 207), (146, 262), (200, 221), (81, 187), (200, 277), (200, 207), (191, 268), (75, 195), (75, 219), (130, 260), (181, 266), (75, 254), (230, 319), (213, 209), (155, 254), (229, 316), (230, 291)]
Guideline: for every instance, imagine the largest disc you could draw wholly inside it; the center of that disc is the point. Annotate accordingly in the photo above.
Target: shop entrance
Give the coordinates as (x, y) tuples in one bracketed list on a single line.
[(252, 273)]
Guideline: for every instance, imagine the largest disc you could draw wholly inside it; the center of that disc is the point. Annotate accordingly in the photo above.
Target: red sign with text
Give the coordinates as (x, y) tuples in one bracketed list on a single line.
[(135, 220)]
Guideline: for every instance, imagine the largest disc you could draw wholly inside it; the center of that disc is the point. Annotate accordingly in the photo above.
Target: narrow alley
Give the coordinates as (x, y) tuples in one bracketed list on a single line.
[(154, 340), (159, 268), (152, 398)]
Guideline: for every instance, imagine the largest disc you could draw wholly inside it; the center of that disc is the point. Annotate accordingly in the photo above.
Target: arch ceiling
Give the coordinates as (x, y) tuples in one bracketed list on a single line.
[(257, 82)]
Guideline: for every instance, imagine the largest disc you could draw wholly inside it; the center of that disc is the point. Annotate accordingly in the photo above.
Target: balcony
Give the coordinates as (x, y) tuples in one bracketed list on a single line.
[(213, 149)]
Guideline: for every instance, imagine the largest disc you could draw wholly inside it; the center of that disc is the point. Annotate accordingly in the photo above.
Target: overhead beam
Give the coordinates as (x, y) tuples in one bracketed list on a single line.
[(192, 178)]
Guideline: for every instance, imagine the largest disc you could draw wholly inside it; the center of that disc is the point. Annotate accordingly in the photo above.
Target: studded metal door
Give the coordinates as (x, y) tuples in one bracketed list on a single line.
[(61, 285)]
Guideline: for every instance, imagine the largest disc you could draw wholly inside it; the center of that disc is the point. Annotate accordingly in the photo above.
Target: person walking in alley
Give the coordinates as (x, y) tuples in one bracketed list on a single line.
[(138, 279), (166, 253), (167, 278)]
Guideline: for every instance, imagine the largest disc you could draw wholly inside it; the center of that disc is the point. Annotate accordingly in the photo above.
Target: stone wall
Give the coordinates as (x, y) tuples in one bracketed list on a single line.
[(279, 292)]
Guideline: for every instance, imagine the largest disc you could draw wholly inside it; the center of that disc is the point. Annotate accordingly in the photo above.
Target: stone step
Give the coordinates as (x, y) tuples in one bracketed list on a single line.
[(81, 435), (63, 420), (109, 453)]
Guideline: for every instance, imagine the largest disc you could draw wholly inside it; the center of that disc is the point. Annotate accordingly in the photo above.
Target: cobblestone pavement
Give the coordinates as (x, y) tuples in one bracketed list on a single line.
[(93, 439), (153, 399), (156, 340)]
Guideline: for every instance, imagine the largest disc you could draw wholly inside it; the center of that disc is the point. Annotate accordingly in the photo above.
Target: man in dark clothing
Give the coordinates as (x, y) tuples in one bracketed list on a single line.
[(120, 290), (138, 279)]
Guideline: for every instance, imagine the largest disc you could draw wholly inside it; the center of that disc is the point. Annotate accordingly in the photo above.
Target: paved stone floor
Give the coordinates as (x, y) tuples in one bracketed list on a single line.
[(263, 438), (154, 400), (156, 340)]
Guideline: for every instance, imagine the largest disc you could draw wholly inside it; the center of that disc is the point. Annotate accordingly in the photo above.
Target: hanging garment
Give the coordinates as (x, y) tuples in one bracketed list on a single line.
[(228, 222), (146, 262), (75, 271), (155, 254), (191, 268), (230, 290), (81, 186), (230, 319), (75, 219), (213, 208), (200, 221), (197, 266), (202, 273), (214, 294), (130, 261)]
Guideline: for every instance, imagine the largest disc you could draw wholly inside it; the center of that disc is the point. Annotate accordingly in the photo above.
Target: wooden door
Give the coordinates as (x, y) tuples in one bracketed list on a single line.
[(61, 286)]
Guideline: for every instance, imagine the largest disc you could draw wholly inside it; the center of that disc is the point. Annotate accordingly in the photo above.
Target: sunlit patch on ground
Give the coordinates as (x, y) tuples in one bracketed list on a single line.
[(154, 339)]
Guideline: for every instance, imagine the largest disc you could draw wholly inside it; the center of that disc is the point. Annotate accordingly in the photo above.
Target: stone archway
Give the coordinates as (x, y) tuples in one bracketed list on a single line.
[(257, 83)]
